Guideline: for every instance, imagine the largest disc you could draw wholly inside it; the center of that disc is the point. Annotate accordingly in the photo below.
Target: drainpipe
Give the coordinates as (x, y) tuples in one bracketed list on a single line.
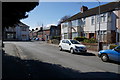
[(69, 30)]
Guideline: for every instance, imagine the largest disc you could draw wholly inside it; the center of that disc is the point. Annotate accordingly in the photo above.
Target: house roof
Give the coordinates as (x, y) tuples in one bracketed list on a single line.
[(36, 30), (22, 24), (94, 11)]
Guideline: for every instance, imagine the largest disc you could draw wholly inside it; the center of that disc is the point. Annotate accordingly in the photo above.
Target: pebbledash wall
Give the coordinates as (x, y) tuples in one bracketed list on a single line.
[(88, 25), (91, 27)]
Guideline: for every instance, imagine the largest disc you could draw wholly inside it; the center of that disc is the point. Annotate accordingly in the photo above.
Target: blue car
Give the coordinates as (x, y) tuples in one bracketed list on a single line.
[(110, 54)]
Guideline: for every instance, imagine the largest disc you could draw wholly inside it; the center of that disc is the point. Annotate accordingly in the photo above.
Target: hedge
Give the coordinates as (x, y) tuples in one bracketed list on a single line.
[(112, 46)]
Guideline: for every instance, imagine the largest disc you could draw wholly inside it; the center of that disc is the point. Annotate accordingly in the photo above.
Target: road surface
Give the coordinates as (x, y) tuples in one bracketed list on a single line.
[(62, 64)]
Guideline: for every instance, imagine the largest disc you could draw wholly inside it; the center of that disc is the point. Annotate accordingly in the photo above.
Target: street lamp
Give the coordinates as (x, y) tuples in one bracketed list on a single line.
[(99, 28)]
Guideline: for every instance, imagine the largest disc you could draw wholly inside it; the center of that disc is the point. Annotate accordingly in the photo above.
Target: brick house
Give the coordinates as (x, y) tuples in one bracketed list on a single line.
[(41, 33), (46, 33)]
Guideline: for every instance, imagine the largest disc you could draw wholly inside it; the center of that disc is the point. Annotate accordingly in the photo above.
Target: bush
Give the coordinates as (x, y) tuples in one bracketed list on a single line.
[(55, 41), (91, 40), (80, 38), (56, 37), (112, 46)]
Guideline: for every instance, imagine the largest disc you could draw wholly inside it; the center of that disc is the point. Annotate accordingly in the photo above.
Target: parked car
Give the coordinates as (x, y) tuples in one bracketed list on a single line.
[(110, 54), (72, 45), (37, 39)]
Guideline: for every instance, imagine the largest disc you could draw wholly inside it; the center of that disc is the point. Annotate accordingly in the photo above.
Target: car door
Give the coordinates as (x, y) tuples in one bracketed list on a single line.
[(63, 42), (116, 54), (67, 45)]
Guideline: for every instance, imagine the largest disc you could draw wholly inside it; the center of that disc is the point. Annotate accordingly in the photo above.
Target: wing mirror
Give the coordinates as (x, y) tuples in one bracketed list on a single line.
[(69, 43)]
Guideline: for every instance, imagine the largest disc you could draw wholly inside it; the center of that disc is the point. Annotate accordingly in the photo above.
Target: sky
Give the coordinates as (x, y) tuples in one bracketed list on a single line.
[(51, 12)]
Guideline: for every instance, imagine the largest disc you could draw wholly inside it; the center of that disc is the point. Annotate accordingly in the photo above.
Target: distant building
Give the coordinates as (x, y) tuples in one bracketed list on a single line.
[(19, 32), (46, 33)]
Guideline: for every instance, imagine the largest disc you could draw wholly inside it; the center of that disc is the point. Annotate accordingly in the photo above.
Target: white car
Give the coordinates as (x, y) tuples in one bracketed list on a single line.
[(72, 45)]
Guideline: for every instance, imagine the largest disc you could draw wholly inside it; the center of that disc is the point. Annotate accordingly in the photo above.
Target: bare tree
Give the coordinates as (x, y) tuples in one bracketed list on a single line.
[(63, 19)]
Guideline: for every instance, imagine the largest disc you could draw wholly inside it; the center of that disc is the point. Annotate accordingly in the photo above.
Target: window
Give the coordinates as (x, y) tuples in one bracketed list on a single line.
[(67, 42), (117, 48), (74, 42), (24, 36), (83, 21), (39, 33), (74, 23), (63, 41), (109, 16), (24, 29), (104, 17), (10, 36), (104, 32), (99, 19), (92, 20), (65, 35), (79, 22)]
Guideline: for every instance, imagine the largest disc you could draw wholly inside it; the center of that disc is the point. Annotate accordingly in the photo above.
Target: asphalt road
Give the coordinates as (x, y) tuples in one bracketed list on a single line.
[(63, 64)]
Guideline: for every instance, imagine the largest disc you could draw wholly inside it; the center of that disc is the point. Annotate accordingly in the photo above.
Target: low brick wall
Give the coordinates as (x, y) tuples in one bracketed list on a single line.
[(91, 46), (54, 41)]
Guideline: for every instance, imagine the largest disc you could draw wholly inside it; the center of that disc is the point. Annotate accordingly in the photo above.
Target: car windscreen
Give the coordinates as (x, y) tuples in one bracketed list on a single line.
[(74, 42)]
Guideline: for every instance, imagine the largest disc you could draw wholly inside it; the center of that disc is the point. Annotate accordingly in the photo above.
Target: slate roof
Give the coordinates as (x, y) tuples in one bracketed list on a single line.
[(94, 11)]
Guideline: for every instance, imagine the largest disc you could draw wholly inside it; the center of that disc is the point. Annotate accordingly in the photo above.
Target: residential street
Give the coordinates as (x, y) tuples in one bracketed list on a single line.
[(36, 60)]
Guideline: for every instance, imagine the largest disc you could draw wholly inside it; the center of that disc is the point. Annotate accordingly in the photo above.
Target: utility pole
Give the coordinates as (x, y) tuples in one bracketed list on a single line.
[(99, 28), (42, 31)]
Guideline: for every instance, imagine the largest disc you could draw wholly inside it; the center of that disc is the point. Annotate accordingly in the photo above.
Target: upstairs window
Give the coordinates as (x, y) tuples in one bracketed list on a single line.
[(104, 17), (92, 20), (24, 29)]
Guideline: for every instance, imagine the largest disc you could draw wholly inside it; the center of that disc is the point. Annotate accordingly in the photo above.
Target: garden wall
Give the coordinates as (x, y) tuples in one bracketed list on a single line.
[(91, 46)]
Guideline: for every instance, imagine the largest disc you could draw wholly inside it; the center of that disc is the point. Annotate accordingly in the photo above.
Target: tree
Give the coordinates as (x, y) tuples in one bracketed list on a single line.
[(12, 12), (63, 19)]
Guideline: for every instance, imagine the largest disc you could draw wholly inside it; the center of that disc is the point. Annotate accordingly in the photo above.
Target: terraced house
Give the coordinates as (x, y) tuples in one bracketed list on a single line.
[(88, 23)]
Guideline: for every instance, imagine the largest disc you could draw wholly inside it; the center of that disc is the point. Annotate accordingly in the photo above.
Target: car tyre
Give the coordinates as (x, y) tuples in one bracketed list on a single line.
[(104, 57), (60, 48), (72, 51)]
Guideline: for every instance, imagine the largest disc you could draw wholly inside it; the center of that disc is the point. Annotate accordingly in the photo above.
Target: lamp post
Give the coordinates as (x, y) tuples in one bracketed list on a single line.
[(99, 28)]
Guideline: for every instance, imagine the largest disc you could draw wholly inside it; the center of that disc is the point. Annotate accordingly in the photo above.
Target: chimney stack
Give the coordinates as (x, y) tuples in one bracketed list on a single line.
[(36, 28), (83, 9), (32, 29)]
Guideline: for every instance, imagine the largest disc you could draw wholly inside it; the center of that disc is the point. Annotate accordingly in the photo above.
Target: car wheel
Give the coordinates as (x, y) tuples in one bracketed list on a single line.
[(104, 57), (60, 48), (72, 51)]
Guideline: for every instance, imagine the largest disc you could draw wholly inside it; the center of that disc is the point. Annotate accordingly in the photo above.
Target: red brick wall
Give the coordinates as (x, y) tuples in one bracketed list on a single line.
[(45, 32)]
